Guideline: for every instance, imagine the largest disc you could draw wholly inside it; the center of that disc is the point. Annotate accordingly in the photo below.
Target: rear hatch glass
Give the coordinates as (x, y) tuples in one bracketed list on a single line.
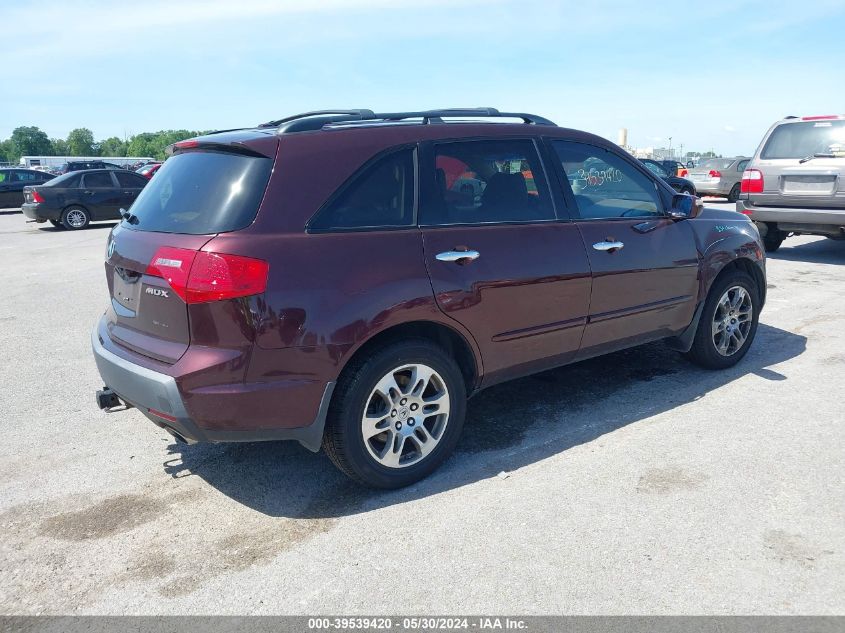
[(202, 193), (805, 139), (194, 196)]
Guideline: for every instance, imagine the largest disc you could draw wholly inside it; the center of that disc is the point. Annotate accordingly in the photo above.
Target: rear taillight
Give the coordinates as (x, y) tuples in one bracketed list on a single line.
[(713, 173), (752, 181), (200, 277), (37, 197), (683, 173)]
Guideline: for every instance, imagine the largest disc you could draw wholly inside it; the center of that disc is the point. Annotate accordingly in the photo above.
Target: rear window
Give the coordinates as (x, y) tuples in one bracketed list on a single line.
[(203, 192), (68, 181), (799, 140), (716, 163)]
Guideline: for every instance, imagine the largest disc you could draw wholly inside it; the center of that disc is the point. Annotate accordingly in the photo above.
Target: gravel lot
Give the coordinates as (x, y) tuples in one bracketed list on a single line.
[(630, 484)]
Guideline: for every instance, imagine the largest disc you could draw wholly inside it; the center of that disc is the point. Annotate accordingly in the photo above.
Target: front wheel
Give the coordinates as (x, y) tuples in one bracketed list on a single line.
[(396, 414), (728, 322)]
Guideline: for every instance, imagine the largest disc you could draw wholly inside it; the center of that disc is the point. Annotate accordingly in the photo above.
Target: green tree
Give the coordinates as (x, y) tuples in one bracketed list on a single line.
[(112, 146), (80, 142), (8, 153), (29, 141), (59, 146)]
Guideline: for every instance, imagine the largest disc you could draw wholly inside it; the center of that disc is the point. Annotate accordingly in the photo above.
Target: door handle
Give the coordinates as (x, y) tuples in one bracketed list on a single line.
[(608, 246), (457, 256), (88, 193)]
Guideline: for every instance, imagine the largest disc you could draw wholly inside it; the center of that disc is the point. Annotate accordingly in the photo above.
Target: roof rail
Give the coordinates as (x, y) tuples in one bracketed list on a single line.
[(320, 119), (299, 122)]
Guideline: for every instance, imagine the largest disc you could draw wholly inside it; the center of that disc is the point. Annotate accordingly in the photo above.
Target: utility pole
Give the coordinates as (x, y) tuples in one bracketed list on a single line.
[(671, 155)]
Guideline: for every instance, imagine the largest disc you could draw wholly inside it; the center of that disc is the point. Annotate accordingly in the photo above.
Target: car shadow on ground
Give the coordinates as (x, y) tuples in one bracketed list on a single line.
[(508, 426), (10, 211), (49, 228), (821, 251)]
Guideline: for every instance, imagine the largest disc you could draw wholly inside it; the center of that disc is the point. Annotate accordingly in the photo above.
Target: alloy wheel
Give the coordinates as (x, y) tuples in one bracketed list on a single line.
[(405, 416), (732, 320), (76, 218)]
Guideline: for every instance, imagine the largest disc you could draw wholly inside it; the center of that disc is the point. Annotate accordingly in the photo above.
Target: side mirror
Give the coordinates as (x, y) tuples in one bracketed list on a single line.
[(685, 206)]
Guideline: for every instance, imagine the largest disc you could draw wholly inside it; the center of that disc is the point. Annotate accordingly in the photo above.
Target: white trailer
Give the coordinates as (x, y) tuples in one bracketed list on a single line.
[(54, 162)]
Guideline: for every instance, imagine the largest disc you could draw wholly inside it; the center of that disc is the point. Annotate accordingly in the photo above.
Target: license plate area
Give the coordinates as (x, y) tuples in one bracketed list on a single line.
[(127, 288), (808, 185)]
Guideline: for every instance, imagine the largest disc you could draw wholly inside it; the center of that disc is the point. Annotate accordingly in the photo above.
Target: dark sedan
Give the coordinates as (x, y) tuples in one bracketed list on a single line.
[(75, 199), (12, 182), (681, 185)]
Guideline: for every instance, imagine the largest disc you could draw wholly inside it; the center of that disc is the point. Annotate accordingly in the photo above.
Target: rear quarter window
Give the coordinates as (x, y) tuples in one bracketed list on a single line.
[(202, 192)]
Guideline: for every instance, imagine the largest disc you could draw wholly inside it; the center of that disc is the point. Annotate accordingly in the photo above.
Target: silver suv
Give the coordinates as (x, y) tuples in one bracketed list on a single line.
[(795, 183)]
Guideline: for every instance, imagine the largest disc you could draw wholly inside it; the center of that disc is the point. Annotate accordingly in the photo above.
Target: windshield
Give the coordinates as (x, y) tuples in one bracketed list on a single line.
[(656, 169), (716, 163), (799, 140), (202, 193)]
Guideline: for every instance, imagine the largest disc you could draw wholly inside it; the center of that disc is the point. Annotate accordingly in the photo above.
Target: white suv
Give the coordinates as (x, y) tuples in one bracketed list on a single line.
[(795, 183)]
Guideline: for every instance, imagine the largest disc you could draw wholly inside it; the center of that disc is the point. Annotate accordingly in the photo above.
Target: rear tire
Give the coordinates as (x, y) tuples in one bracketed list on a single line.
[(733, 196), (75, 218), (773, 240), (728, 322), (367, 397)]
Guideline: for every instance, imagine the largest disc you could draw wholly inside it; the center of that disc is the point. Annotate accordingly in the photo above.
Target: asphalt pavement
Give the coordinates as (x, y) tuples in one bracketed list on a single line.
[(630, 484)]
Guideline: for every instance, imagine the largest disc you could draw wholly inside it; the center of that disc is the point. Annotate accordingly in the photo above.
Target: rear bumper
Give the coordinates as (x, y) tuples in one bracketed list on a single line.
[(817, 221), (717, 188), (158, 397), (31, 210)]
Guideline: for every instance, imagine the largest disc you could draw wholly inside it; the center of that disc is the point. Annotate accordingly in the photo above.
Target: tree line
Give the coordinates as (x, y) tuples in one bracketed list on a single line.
[(32, 141)]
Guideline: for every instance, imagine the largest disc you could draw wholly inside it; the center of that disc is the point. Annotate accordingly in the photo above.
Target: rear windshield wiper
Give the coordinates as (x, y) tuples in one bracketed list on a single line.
[(129, 216), (817, 155)]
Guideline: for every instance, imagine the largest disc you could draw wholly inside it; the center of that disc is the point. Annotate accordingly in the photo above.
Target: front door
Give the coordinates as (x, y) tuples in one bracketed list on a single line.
[(501, 263), (644, 264)]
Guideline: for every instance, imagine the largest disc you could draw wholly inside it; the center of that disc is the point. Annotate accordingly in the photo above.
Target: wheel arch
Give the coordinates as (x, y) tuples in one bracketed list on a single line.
[(746, 265), (454, 342)]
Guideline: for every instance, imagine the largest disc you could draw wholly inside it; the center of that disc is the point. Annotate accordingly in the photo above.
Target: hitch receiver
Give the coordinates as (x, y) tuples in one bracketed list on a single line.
[(107, 399)]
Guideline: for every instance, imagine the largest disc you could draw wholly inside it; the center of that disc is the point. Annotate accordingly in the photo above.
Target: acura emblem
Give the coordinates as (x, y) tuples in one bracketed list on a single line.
[(111, 249)]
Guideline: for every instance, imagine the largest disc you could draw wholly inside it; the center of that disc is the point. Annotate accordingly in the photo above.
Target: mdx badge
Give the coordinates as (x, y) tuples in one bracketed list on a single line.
[(157, 292)]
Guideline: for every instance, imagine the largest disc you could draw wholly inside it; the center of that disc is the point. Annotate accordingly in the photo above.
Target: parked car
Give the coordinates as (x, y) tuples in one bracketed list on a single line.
[(681, 185), (315, 279), (77, 198), (719, 177), (795, 184), (13, 181), (674, 167), (148, 170), (86, 164)]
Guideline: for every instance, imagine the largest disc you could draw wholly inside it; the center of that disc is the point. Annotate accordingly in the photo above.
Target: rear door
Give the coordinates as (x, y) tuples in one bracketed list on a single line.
[(644, 264), (130, 186), (500, 261), (100, 195), (195, 196), (803, 165)]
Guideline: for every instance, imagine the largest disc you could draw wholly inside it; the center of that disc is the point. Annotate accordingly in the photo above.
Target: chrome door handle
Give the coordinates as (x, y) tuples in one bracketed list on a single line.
[(608, 246), (455, 256)]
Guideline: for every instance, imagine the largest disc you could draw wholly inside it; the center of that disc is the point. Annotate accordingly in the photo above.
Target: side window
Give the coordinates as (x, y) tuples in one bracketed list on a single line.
[(97, 180), (606, 185), (5, 176), (656, 169), (482, 182), (382, 195), (742, 165), (26, 176), (129, 180)]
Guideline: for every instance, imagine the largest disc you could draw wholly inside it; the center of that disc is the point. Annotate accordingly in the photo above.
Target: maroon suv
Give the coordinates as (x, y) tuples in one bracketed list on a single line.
[(346, 279)]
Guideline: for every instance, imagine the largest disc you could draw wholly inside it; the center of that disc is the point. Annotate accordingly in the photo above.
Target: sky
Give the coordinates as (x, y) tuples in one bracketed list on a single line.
[(711, 75)]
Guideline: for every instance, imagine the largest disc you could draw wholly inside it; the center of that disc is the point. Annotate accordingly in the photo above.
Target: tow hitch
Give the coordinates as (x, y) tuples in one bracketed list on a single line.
[(109, 401)]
